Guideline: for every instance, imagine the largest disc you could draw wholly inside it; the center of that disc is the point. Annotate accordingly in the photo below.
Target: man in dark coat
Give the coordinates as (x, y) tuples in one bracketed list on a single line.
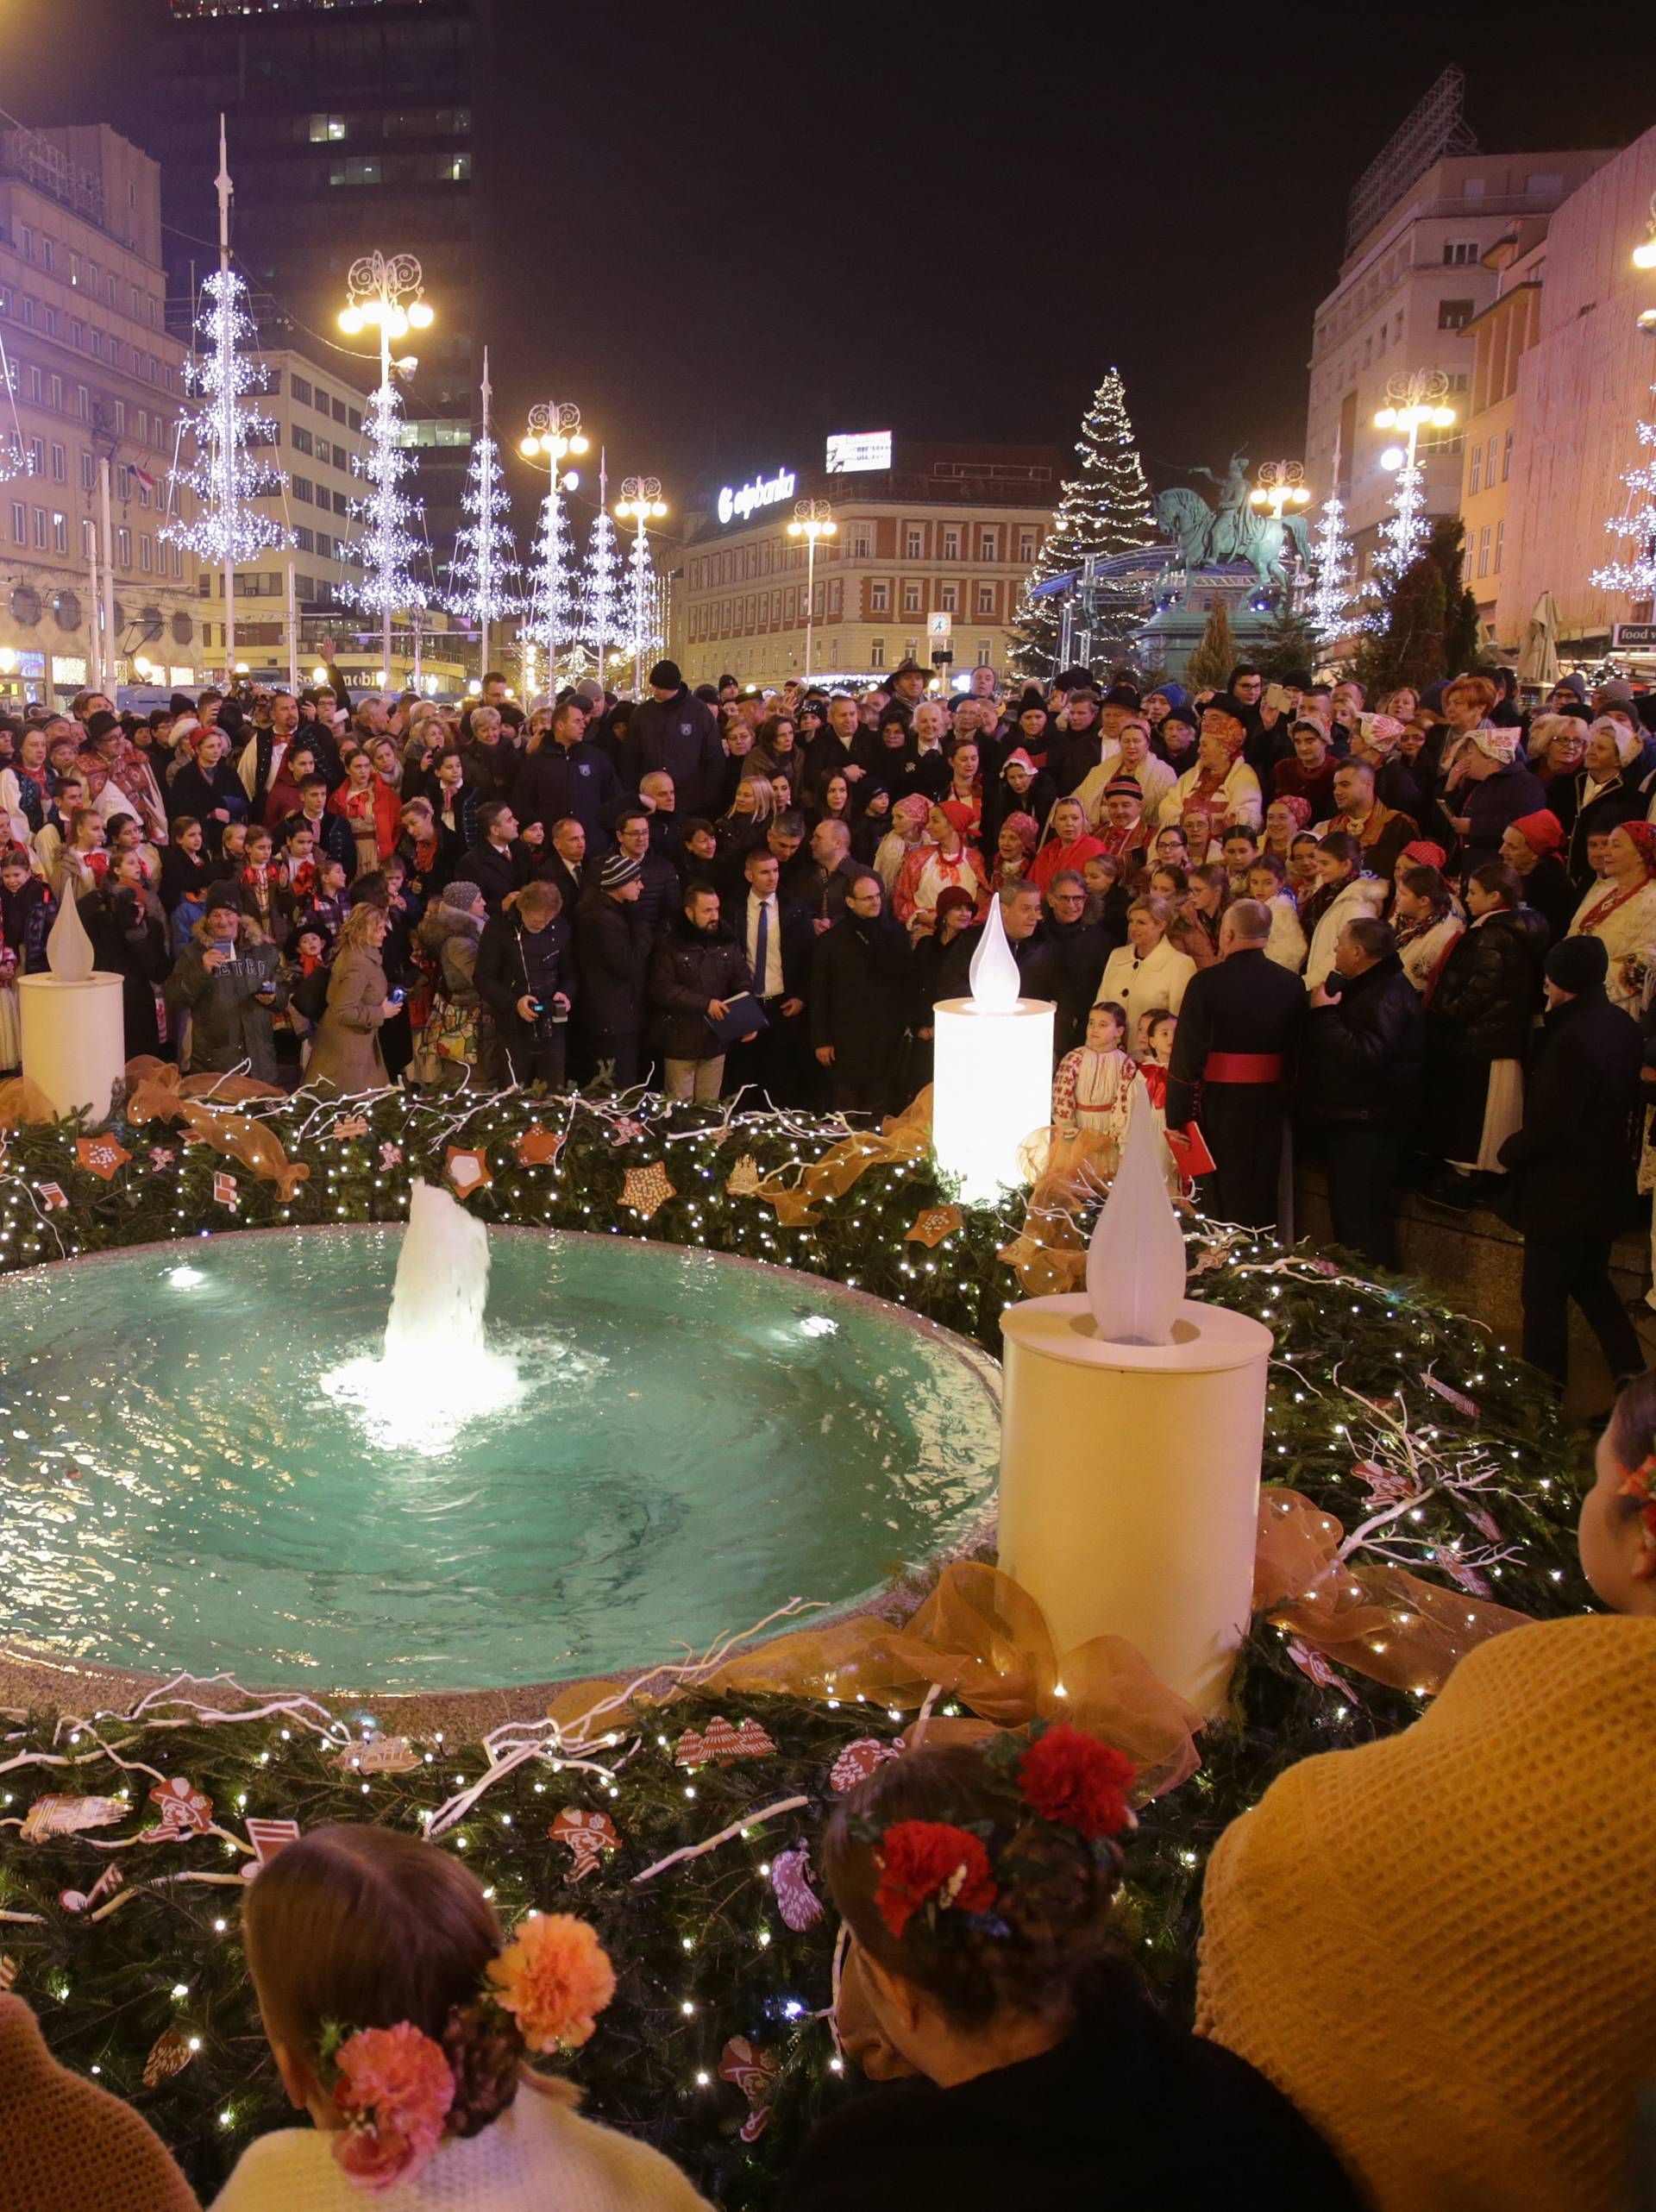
[(696, 969), (1359, 1082), (859, 1001), (672, 731), (1574, 1155), (564, 861), (501, 861), (612, 954), (568, 774), (1082, 948), (841, 747), (523, 976), (777, 936), (659, 889), (1233, 1056)]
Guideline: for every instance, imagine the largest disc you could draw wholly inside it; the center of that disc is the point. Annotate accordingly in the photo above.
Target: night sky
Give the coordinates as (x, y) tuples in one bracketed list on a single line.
[(736, 228)]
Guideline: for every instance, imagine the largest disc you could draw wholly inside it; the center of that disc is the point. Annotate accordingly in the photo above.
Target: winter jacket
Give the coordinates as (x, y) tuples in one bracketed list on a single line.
[(1549, 889), (333, 838), (449, 940), (192, 791), (346, 1055), (679, 735), (129, 940), (496, 870), (513, 963), (688, 967), (229, 1027), (1574, 1150), (1599, 808), (611, 953), (860, 994), (1360, 1058), (1490, 806), (1483, 1010), (577, 781), (26, 919), (1361, 895)]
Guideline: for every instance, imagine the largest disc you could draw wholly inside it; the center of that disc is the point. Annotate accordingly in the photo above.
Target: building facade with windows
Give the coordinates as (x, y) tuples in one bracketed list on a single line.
[(94, 377), (1502, 335), (946, 531), (1416, 277), (349, 128)]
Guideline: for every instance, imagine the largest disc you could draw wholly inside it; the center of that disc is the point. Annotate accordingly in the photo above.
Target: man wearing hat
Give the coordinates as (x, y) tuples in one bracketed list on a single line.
[(671, 731), (1531, 845), (908, 682), (1495, 789), (1571, 1156), (226, 979), (611, 958)]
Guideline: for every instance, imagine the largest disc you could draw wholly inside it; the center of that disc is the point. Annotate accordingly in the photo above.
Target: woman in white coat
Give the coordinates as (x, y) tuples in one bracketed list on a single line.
[(1343, 893), (1146, 971)]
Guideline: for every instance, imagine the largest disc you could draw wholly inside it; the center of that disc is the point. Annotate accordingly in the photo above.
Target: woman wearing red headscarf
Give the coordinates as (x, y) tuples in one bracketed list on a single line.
[(1532, 845), (1622, 912), (1285, 818), (1014, 850), (1222, 785), (945, 858)]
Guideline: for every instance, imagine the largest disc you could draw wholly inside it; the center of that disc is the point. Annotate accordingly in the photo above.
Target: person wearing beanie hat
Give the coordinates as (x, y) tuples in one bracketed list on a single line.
[(1604, 793), (447, 935), (675, 733), (616, 869), (1175, 737), (1570, 689), (612, 955), (1420, 852), (1570, 1156), (228, 977), (1487, 788)]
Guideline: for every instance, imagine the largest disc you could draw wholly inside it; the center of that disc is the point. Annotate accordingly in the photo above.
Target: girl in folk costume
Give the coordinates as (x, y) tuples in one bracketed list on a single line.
[(1014, 850), (1184, 931), (25, 787), (1302, 879), (1622, 912), (933, 867), (1286, 945), (1426, 925), (908, 819), (263, 881), (1093, 1087), (965, 788), (357, 800), (1222, 785), (1068, 847), (1284, 819)]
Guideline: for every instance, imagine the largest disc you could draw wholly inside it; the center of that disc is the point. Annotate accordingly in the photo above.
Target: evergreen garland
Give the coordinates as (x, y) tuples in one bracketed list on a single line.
[(702, 1952)]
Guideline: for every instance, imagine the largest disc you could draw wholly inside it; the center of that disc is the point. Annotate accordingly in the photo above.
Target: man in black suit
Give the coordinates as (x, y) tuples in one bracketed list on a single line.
[(500, 861), (564, 861), (776, 934), (1232, 1058)]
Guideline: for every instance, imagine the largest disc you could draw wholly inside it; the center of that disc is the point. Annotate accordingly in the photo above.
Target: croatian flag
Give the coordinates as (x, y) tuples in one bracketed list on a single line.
[(144, 477)]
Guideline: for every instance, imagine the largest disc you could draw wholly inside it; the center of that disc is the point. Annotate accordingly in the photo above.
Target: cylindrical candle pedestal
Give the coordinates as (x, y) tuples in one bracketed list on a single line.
[(991, 1089), (1130, 1483), (74, 1040)]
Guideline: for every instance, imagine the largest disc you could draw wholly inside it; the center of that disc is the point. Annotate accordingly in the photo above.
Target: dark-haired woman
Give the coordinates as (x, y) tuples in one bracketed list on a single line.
[(1046, 2078), (1480, 1023)]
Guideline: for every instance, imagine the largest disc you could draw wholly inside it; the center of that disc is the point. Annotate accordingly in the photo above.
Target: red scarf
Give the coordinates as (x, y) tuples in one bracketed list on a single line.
[(1606, 907)]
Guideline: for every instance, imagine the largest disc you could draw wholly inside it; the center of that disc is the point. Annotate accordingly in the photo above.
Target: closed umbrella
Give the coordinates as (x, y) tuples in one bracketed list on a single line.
[(1538, 663)]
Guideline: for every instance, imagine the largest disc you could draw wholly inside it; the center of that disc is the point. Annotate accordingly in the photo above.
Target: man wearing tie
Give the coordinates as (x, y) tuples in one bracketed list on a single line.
[(776, 934)]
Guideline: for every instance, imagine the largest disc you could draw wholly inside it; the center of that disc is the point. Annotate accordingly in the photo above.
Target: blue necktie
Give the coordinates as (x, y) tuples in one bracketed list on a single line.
[(762, 947)]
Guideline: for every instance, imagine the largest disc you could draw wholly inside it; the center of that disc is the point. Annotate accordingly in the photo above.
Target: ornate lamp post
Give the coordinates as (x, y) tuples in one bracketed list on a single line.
[(640, 503), (553, 433), (1282, 484), (390, 295), (813, 519), (1416, 398)]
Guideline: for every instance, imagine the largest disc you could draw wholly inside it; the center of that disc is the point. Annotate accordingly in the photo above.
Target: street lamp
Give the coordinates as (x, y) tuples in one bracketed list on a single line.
[(1282, 484), (813, 519), (641, 503), (553, 433), (1416, 398), (389, 295)]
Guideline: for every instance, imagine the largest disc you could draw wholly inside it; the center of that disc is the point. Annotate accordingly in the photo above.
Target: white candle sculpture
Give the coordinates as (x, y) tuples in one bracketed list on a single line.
[(1132, 1428), (74, 1036), (992, 1079)]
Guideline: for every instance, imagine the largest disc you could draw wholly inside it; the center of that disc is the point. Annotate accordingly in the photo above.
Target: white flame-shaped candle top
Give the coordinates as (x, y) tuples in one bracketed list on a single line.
[(1135, 1264), (995, 980), (68, 948)]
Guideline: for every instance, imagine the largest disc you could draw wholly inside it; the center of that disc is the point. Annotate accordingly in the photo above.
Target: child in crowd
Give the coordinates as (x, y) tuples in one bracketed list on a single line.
[(330, 902), (82, 861), (1094, 1084), (263, 885), (26, 914), (402, 2021), (185, 869)]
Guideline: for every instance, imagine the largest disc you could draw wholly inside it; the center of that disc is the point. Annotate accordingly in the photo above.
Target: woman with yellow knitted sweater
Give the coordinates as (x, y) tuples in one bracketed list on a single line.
[(1438, 1944)]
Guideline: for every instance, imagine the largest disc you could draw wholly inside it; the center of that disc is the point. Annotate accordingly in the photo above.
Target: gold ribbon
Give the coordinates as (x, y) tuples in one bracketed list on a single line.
[(901, 1138)]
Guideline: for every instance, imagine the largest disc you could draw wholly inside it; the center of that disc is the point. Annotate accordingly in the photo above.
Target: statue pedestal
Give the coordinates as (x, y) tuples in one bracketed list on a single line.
[(991, 1088), (1130, 1483), (74, 1040)]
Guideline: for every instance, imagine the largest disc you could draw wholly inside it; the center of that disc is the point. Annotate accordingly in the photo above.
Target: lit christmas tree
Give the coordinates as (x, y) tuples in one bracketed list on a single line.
[(391, 539), (1332, 569), (1635, 573), (554, 614), (1104, 510), (646, 618), (603, 585), (484, 574)]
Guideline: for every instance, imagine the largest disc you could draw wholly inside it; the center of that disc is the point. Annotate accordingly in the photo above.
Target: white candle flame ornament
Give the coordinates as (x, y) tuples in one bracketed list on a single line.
[(68, 948), (996, 984), (1135, 1263)]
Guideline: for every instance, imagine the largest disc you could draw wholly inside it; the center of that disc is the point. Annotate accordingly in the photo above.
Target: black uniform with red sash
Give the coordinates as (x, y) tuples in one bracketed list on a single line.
[(1233, 1059)]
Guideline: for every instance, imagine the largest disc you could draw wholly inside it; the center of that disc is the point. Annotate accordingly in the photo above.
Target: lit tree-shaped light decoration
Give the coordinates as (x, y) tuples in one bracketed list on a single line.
[(15, 459), (553, 433), (483, 575), (226, 474), (603, 591), (1332, 566), (641, 504), (1635, 573), (388, 294), (1415, 398)]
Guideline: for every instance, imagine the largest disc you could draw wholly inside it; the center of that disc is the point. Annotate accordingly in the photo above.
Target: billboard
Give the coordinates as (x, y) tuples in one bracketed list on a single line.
[(852, 450)]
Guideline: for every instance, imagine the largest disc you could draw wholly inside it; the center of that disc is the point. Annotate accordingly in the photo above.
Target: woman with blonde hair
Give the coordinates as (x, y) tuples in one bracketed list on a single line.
[(402, 2020), (346, 1056), (1149, 969)]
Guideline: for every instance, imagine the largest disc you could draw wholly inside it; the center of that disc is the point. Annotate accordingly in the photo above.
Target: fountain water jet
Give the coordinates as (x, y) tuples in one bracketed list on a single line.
[(436, 1371)]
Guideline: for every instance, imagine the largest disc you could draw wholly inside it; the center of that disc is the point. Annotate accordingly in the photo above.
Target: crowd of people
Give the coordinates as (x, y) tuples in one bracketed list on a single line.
[(1399, 927), (1423, 1985)]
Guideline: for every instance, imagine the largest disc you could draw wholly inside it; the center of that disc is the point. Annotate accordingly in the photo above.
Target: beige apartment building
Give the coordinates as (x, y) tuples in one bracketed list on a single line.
[(93, 377), (930, 555)]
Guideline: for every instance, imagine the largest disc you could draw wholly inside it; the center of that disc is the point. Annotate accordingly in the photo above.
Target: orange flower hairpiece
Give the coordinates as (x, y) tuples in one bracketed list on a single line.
[(1640, 1484)]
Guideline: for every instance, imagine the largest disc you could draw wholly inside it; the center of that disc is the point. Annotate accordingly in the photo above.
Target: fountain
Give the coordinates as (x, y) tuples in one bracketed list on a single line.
[(649, 1446)]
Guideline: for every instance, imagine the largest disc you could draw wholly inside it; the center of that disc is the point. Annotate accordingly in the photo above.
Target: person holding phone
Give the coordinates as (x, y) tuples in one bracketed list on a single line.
[(227, 980)]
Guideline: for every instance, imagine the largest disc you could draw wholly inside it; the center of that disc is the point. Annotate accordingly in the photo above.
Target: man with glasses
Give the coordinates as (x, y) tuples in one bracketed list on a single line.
[(1082, 948)]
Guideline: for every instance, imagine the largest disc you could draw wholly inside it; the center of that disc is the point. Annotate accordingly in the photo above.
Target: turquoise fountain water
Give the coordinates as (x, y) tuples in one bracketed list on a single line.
[(653, 1446)]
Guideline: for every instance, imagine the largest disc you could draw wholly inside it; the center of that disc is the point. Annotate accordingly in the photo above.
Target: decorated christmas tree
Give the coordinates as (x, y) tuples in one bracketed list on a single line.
[(646, 614), (1427, 618), (390, 536), (1330, 603), (483, 576), (1103, 510), (1635, 572), (604, 593), (554, 616)]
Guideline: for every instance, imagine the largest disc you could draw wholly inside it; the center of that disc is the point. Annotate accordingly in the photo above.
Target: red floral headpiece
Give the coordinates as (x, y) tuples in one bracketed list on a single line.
[(1060, 1777), (1640, 1484), (397, 2088)]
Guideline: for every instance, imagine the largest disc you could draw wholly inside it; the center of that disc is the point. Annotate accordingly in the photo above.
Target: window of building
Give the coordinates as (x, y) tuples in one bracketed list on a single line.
[(1458, 252), (40, 530), (1454, 314), (913, 541), (341, 505), (1500, 545), (121, 417), (1026, 547), (948, 599), (1474, 482), (1484, 550), (28, 311), (34, 382), (82, 403), (339, 410), (355, 169), (879, 599), (59, 533), (862, 542), (988, 545), (1506, 456), (88, 473), (876, 654), (112, 291), (60, 465), (146, 553), (950, 542), (123, 548), (303, 538), (322, 403), (37, 456), (19, 522), (302, 389), (986, 598), (48, 255), (1543, 184), (301, 438), (28, 242), (837, 597), (911, 599), (1488, 468), (985, 652), (326, 130), (303, 489)]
